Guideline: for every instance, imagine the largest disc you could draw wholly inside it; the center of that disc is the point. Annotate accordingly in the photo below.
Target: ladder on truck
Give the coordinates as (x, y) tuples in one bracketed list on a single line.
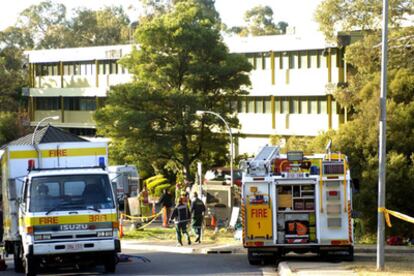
[(262, 162)]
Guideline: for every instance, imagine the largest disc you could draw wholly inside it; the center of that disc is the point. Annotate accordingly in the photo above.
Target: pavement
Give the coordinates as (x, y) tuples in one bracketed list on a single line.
[(285, 268)]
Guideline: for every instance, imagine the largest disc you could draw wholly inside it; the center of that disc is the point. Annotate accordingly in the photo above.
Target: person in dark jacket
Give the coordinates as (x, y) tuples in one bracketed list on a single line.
[(166, 202), (197, 214), (181, 216)]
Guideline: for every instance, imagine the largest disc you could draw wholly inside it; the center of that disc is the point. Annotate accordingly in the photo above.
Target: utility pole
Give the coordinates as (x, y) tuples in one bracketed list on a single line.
[(382, 139)]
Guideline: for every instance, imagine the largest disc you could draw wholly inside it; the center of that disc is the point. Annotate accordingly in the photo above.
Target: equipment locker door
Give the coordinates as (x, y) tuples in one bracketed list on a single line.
[(258, 212)]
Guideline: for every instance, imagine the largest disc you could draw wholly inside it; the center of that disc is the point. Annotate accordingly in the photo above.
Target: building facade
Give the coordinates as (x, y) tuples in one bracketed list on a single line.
[(291, 93)]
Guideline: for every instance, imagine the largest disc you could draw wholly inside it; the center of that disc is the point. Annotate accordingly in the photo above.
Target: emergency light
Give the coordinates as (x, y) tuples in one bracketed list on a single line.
[(30, 164), (102, 162)]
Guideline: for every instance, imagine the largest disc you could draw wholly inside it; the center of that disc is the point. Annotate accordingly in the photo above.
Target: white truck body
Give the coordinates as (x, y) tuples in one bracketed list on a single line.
[(292, 202), (64, 226)]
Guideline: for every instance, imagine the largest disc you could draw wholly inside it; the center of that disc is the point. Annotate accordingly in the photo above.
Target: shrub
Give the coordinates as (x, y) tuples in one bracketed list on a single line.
[(151, 186), (158, 190), (152, 178)]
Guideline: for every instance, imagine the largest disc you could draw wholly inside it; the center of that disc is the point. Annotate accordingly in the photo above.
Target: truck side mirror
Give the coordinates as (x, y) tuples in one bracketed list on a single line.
[(355, 185)]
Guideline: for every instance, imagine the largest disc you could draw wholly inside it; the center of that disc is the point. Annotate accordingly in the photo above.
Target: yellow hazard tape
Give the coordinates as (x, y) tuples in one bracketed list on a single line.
[(140, 218), (387, 214)]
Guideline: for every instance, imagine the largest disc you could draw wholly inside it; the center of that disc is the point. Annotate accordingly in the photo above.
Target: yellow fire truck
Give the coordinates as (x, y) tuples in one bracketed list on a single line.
[(296, 202)]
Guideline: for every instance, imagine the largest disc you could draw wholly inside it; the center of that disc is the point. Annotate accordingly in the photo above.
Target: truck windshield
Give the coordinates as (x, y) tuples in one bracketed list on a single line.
[(69, 192)]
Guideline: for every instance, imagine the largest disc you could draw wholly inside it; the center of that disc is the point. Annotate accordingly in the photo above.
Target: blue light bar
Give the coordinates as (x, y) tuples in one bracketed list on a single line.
[(102, 162)]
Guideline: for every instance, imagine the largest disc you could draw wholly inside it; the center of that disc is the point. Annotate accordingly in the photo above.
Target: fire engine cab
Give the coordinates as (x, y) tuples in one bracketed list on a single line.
[(296, 202)]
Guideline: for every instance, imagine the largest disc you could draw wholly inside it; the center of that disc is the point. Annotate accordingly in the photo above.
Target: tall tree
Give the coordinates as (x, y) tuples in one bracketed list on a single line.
[(259, 21), (359, 138), (181, 66), (107, 26)]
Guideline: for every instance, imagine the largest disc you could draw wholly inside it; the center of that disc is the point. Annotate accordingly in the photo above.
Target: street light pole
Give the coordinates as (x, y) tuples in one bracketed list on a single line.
[(201, 112), (382, 155), (40, 122), (34, 134)]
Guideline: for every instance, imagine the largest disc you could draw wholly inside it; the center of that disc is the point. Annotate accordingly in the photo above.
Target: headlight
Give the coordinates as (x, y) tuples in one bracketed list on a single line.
[(42, 237), (105, 234)]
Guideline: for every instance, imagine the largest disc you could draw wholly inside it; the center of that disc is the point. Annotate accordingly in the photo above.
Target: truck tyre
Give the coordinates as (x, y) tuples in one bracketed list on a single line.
[(17, 258), (30, 266), (350, 256), (110, 263), (253, 260)]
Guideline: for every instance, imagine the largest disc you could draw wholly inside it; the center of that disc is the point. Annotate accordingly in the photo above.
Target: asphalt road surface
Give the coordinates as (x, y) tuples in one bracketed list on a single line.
[(170, 264)]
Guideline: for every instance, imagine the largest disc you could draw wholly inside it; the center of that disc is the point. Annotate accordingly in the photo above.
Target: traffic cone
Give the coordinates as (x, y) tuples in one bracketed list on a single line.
[(213, 222), (121, 229)]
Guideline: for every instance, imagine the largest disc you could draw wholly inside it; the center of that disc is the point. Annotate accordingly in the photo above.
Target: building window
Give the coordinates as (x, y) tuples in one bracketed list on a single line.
[(304, 103), (47, 103), (267, 106), (294, 106), (281, 60), (291, 60), (250, 104), (323, 107), (313, 106), (278, 106), (285, 106), (80, 104)]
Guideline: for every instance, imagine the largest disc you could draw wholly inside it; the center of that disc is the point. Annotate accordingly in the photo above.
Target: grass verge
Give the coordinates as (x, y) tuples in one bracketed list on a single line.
[(223, 236)]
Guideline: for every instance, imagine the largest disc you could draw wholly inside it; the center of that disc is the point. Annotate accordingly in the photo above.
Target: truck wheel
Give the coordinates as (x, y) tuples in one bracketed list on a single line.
[(110, 263), (17, 258), (30, 266), (350, 256), (253, 260)]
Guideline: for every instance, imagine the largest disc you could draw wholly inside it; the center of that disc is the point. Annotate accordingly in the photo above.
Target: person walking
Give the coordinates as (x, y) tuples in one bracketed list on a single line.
[(181, 216), (166, 202), (197, 214)]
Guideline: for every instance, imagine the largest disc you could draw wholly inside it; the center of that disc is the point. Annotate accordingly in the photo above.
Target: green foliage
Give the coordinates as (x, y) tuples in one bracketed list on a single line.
[(181, 66), (153, 178), (348, 15), (45, 25), (10, 127), (359, 137), (151, 185), (259, 21), (158, 190)]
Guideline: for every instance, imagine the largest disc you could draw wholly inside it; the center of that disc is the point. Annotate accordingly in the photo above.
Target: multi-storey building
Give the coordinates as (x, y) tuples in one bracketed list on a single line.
[(292, 81)]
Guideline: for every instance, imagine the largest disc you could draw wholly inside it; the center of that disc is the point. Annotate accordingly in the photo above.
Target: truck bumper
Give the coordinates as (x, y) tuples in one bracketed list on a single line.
[(68, 247)]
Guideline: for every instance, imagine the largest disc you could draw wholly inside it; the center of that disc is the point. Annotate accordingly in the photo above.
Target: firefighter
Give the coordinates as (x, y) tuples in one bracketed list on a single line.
[(166, 203), (197, 215), (181, 216)]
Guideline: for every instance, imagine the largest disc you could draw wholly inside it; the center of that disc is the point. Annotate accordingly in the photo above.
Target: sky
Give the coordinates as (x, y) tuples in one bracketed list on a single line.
[(298, 13)]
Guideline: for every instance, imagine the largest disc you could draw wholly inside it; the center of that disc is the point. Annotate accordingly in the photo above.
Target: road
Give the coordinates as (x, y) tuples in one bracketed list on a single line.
[(172, 264)]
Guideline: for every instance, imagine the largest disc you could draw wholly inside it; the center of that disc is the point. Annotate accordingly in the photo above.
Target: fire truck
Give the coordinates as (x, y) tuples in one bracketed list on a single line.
[(296, 202), (58, 202)]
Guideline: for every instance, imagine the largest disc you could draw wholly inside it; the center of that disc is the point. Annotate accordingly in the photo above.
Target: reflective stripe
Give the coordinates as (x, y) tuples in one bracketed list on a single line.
[(69, 219), (23, 154)]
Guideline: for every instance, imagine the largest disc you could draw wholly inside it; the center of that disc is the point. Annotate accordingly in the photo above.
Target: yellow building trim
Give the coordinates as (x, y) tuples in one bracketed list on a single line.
[(272, 106), (329, 65), (287, 76), (70, 219), (272, 66), (329, 109), (24, 154), (61, 73), (96, 73)]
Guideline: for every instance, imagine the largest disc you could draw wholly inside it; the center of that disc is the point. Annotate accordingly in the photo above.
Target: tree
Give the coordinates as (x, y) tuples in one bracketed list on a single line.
[(259, 21), (107, 26), (359, 137), (181, 66)]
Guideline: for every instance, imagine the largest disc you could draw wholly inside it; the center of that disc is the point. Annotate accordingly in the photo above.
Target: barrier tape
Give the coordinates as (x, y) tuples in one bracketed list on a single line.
[(140, 218), (145, 225), (152, 217), (387, 214)]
